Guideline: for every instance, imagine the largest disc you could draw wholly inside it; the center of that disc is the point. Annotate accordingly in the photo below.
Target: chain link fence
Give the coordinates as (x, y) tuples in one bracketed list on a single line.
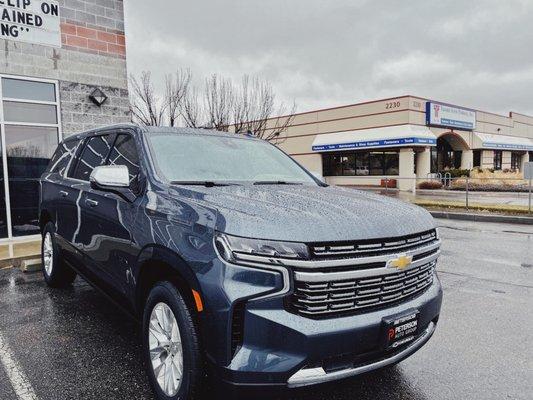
[(511, 195)]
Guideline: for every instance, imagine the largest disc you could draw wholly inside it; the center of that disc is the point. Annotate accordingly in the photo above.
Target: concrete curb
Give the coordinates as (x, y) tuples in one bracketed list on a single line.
[(506, 219)]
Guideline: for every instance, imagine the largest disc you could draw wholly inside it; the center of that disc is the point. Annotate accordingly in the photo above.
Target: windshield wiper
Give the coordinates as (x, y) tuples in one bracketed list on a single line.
[(201, 183), (276, 183)]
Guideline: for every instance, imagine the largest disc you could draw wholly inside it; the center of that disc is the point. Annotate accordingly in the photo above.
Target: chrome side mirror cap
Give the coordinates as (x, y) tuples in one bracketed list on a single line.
[(110, 176)]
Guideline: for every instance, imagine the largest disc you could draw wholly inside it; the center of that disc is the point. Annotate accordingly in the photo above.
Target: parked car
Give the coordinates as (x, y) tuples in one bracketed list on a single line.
[(235, 257)]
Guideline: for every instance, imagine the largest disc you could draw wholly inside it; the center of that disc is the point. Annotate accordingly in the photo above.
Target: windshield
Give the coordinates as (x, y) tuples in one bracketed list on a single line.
[(199, 158)]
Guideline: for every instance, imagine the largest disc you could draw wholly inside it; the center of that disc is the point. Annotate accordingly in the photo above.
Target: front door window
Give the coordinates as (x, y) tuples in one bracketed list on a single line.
[(29, 121)]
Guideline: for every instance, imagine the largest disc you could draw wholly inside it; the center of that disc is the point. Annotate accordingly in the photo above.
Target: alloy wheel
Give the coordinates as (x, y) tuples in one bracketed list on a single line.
[(48, 254), (166, 351)]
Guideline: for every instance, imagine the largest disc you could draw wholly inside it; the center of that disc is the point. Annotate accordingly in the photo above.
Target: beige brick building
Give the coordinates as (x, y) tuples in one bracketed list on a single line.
[(406, 136)]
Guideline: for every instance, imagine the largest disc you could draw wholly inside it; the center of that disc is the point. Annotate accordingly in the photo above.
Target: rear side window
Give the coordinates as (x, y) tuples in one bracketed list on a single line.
[(62, 156), (125, 153), (94, 154)]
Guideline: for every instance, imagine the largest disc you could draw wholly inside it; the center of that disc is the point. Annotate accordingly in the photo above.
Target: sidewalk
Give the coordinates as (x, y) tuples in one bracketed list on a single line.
[(484, 198), (20, 254)]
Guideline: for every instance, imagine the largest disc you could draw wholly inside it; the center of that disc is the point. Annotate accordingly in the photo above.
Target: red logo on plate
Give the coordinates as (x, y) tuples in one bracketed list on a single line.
[(392, 333)]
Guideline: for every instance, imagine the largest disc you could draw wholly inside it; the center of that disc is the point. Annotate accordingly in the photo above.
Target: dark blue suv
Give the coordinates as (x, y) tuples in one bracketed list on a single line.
[(238, 259)]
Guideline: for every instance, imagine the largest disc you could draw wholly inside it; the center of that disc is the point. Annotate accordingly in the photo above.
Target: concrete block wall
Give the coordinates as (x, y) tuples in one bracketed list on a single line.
[(79, 113), (93, 54)]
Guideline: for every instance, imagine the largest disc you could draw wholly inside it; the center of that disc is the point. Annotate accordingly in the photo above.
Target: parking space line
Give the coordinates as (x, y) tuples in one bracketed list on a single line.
[(19, 381)]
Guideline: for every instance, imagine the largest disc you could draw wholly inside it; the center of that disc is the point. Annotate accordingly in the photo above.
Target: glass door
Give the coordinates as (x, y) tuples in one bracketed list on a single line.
[(30, 134)]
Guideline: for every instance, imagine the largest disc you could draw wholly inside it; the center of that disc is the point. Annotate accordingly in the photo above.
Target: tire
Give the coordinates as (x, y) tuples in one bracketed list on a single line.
[(55, 271), (164, 303)]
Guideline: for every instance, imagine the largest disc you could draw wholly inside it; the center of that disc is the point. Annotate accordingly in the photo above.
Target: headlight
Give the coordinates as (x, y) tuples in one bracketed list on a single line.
[(233, 248)]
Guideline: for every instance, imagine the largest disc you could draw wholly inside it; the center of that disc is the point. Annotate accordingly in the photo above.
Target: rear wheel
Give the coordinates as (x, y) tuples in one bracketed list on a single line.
[(170, 341), (56, 273)]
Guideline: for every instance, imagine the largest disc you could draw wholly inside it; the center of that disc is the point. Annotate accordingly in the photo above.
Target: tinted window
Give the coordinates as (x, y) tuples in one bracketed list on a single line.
[(361, 163), (94, 154), (497, 159), (477, 158), (392, 163), (125, 153), (62, 156), (376, 163), (29, 149)]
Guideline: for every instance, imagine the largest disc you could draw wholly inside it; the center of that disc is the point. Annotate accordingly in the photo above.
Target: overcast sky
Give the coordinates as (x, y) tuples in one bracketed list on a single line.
[(323, 53)]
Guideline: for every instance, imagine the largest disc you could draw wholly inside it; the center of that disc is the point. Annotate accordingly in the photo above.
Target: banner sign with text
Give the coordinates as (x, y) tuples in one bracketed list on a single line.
[(443, 115), (377, 143), (507, 146), (31, 21)]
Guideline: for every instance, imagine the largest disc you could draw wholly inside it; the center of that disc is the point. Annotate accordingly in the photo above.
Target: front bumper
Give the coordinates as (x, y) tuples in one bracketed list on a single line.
[(313, 376), (285, 349)]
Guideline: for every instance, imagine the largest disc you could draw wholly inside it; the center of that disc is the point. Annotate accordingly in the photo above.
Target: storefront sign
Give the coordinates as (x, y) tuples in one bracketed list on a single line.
[(31, 21), (507, 146), (443, 115), (377, 143)]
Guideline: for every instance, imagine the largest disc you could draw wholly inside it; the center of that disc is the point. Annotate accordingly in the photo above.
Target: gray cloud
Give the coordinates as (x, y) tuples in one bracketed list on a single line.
[(323, 53)]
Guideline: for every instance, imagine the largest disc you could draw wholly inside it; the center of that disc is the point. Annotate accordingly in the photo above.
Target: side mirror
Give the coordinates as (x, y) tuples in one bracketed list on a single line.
[(110, 177), (318, 176)]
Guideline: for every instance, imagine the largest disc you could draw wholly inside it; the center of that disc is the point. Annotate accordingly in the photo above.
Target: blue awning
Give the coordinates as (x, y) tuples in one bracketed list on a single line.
[(390, 136), (501, 142)]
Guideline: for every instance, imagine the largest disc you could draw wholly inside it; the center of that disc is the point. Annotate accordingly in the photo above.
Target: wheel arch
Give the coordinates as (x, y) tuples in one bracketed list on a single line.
[(44, 218), (157, 263)]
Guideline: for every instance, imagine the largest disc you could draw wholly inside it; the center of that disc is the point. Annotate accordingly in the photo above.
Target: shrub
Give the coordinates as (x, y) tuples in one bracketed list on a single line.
[(496, 186), (458, 173), (432, 185)]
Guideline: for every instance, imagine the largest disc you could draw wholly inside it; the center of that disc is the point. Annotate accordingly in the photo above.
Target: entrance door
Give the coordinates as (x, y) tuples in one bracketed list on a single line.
[(30, 132), (446, 155)]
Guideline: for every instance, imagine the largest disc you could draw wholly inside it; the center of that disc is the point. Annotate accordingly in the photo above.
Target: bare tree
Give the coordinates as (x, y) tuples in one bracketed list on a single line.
[(176, 88), (254, 110), (146, 107), (248, 108), (192, 111), (219, 101)]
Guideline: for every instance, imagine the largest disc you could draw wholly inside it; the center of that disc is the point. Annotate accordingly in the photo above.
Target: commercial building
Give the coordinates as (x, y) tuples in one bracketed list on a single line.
[(62, 70), (407, 137)]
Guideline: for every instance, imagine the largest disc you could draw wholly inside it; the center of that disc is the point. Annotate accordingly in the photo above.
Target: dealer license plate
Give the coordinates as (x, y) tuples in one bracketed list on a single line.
[(400, 329)]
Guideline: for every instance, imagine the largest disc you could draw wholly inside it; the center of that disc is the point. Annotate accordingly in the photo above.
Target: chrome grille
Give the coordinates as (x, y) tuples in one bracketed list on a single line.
[(323, 298), (347, 278), (372, 247)]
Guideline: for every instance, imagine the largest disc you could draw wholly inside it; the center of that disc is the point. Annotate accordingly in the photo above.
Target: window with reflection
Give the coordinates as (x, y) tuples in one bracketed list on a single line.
[(30, 113), (29, 149), (28, 90), (516, 161), (361, 163), (498, 158), (30, 128), (94, 154), (63, 156), (124, 152)]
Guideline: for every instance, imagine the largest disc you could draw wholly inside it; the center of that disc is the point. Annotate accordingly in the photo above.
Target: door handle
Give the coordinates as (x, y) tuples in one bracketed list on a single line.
[(91, 203), (63, 193)]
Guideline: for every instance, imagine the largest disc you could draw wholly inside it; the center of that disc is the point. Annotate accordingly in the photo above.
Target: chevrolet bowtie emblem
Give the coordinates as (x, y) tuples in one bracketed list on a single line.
[(401, 262)]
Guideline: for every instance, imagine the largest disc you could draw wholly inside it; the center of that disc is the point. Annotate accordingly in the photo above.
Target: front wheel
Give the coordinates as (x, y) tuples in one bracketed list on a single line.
[(171, 347)]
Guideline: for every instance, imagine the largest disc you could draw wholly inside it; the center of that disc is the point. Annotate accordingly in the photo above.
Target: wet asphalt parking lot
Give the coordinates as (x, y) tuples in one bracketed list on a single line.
[(74, 344)]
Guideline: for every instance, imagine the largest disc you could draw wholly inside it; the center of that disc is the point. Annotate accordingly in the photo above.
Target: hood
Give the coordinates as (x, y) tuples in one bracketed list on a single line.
[(309, 213)]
